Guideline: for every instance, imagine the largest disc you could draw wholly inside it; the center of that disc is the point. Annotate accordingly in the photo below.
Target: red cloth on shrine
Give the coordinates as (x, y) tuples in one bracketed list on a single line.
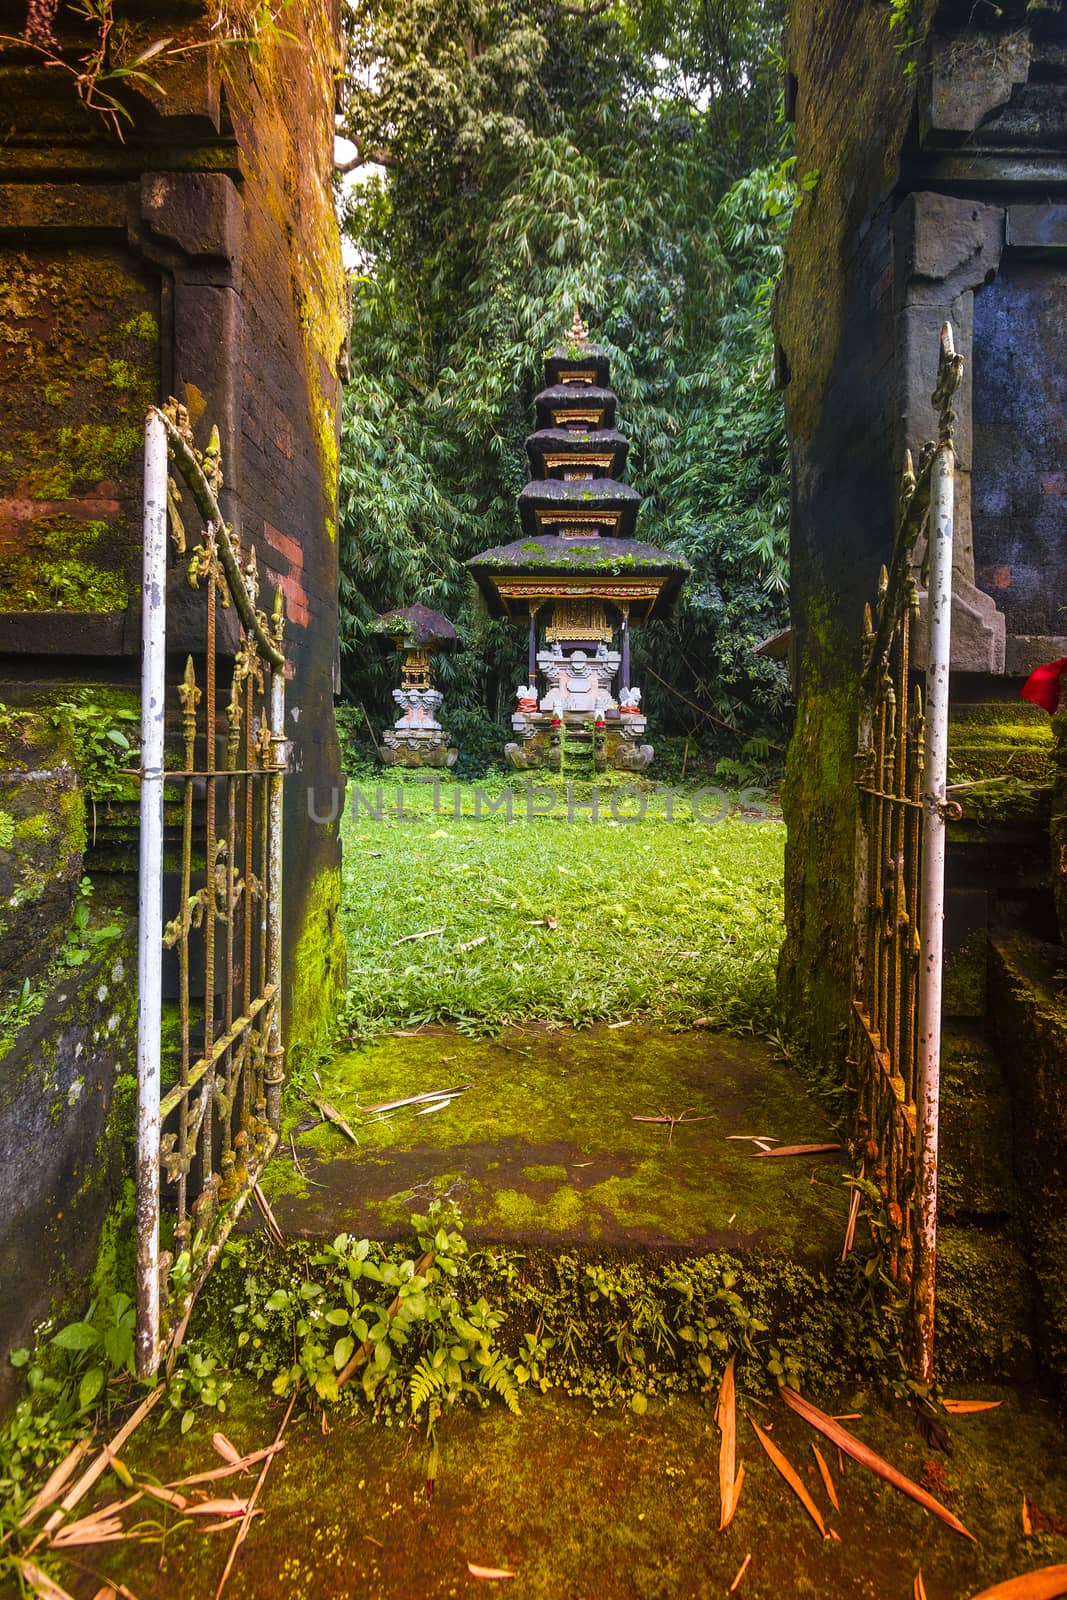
[(1045, 685)]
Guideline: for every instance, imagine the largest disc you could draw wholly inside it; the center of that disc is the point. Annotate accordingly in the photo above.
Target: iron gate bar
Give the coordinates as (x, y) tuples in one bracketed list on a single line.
[(901, 774), (229, 1066)]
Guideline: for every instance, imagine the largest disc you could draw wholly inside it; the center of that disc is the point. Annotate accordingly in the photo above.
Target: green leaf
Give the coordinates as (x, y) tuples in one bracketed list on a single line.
[(90, 1386), (639, 1404), (77, 1336), (342, 1351)]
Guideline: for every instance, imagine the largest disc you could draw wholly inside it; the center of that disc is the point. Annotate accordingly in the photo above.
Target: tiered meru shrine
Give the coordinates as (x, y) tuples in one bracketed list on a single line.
[(578, 578)]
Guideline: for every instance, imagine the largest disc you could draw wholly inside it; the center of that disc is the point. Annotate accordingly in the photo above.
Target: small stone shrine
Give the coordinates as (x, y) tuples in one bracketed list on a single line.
[(577, 577), (416, 738)]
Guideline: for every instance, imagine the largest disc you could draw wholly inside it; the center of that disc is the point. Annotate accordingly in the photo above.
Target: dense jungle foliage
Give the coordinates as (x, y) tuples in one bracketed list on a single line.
[(624, 155)]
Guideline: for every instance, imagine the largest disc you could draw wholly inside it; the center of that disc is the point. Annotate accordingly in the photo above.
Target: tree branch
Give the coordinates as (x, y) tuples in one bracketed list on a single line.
[(380, 158)]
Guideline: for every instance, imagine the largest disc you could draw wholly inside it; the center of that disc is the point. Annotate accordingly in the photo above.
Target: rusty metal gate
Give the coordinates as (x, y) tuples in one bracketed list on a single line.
[(213, 757), (901, 774)]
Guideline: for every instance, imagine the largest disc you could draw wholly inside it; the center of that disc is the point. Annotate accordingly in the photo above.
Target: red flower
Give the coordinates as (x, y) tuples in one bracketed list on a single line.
[(1045, 685)]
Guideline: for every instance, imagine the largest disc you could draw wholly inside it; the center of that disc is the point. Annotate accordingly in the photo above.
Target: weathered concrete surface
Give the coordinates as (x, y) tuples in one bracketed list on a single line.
[(542, 1147), (605, 1506), (1030, 1016), (67, 1089)]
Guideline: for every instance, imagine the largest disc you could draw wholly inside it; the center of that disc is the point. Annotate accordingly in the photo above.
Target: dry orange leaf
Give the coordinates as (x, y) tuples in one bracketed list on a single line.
[(791, 1478), (742, 1569), (39, 1581), (828, 1482), (869, 1458), (1028, 1526), (919, 1588), (217, 1508), (965, 1408), (1046, 1583), (797, 1150), (225, 1448), (726, 1421), (493, 1574), (228, 1471)]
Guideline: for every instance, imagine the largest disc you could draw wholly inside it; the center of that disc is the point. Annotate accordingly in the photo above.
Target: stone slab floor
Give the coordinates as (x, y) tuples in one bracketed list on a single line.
[(542, 1146), (595, 1506)]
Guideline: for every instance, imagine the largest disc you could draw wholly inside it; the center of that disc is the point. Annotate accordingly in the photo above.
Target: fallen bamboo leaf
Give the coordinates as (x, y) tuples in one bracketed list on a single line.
[(791, 1478), (246, 1520), (168, 1497), (39, 1581), (472, 944), (753, 1138), (333, 1115), (919, 1587), (215, 1473), (428, 934), (827, 1481), (850, 1231), (726, 1422), (1044, 1583), (847, 1416), (80, 1488), (268, 1215), (798, 1150), (54, 1482), (222, 1446), (435, 1105), (217, 1508), (966, 1408), (90, 1530), (492, 1573), (415, 1099), (1028, 1525), (742, 1569), (106, 1593), (227, 1522), (869, 1458)]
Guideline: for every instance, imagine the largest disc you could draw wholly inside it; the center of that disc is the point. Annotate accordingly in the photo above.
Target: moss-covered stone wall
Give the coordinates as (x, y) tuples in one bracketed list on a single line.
[(923, 131), (197, 256), (834, 321)]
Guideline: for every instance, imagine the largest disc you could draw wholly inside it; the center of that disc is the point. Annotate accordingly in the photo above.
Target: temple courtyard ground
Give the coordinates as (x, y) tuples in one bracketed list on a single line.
[(565, 1030)]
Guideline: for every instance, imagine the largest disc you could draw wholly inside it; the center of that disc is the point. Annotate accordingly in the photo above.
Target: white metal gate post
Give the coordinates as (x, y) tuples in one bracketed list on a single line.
[(939, 593), (150, 899)]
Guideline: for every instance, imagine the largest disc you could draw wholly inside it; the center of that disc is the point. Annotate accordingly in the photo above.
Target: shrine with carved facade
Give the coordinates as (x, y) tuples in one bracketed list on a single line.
[(578, 578)]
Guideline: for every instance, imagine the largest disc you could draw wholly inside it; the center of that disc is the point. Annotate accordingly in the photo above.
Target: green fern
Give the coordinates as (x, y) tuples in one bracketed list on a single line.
[(428, 1381), (499, 1380)]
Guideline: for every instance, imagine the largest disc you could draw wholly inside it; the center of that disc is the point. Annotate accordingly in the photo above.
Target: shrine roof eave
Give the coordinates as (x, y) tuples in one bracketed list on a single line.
[(547, 501), (645, 578), (415, 628), (563, 444)]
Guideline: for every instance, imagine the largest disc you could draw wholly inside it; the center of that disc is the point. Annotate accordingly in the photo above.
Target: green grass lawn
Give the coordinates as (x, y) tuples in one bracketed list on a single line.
[(561, 920)]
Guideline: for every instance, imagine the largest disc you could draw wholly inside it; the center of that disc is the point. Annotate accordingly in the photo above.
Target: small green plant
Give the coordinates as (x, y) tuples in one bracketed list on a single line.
[(199, 1381), (102, 747), (82, 941)]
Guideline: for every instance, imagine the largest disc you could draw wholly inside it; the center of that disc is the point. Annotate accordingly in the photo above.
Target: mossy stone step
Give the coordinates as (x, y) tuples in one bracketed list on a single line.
[(544, 1146)]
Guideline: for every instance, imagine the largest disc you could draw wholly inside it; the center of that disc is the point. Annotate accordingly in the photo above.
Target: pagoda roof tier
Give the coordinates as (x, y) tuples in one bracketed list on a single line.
[(575, 405), (579, 508), (554, 450), (415, 628), (622, 571), (578, 363)]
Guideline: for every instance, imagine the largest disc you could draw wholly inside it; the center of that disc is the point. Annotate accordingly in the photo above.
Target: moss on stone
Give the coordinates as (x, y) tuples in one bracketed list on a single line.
[(543, 1145), (985, 1311), (316, 968)]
